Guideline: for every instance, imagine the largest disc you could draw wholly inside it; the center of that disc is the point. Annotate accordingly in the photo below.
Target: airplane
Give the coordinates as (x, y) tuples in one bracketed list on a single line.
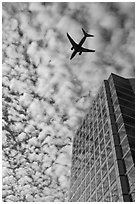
[(78, 47)]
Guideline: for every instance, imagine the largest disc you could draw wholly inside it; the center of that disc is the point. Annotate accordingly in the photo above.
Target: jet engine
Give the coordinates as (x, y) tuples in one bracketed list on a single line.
[(80, 53), (72, 48)]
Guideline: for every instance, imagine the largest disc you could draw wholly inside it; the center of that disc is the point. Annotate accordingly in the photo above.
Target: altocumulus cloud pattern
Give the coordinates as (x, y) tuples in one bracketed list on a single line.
[(45, 95)]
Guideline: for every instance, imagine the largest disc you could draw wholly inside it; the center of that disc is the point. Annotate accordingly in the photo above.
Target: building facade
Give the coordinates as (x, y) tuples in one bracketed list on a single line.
[(103, 155)]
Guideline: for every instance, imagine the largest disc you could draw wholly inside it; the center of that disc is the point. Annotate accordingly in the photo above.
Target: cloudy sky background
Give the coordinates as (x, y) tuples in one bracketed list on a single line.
[(45, 95)]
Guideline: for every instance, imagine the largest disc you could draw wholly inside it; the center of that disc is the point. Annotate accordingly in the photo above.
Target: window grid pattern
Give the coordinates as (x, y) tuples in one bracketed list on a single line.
[(124, 109), (92, 150), (93, 175)]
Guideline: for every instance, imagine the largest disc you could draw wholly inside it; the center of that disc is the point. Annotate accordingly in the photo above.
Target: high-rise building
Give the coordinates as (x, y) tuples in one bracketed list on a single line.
[(103, 155)]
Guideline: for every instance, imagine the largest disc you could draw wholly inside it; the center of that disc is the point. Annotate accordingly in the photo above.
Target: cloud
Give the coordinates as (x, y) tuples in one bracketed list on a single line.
[(45, 95)]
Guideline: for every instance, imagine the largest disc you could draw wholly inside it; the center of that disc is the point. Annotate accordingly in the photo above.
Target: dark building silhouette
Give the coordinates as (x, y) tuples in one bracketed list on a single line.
[(103, 155)]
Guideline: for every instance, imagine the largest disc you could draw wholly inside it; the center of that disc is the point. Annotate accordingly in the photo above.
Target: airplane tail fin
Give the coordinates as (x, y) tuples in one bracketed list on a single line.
[(86, 34)]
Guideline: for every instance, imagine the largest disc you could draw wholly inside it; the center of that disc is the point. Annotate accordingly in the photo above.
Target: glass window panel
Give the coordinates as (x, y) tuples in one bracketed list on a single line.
[(104, 110), (125, 91), (115, 194), (106, 127), (91, 132), (125, 145), (125, 95), (114, 99), (82, 186), (83, 174), (98, 164), (101, 135), (95, 133), (117, 112), (92, 160), (93, 186), (129, 103), (122, 132), (131, 176), (130, 130), (120, 122), (128, 160), (99, 117), (104, 170), (95, 125), (103, 157), (93, 198), (102, 145), (87, 193), (133, 196), (131, 142), (110, 161), (107, 136), (105, 185), (107, 198), (97, 153), (88, 179), (128, 120), (100, 125), (96, 142), (92, 173), (78, 193), (98, 178), (82, 198), (109, 148), (87, 167), (128, 111), (99, 193), (105, 117), (112, 176)]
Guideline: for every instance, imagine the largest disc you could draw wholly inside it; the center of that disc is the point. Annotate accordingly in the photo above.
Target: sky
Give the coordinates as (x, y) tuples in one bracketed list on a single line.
[(45, 95)]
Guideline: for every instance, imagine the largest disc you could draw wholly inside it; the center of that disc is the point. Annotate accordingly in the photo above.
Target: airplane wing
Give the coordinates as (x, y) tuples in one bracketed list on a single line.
[(82, 49), (72, 41)]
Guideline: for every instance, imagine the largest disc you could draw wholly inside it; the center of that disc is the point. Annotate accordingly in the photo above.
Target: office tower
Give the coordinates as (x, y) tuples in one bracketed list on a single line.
[(103, 155)]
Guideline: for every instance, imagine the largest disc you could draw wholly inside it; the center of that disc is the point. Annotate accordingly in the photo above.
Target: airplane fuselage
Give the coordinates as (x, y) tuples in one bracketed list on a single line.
[(79, 45)]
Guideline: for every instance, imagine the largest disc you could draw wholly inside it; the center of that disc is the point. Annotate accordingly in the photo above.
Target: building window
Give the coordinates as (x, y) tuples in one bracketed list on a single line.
[(109, 148), (128, 160), (102, 145), (101, 135), (107, 136), (107, 198), (88, 179), (105, 185), (112, 176), (92, 172), (110, 161), (128, 120), (106, 127), (103, 157), (95, 133), (98, 178), (93, 186), (87, 167), (96, 142), (114, 194), (98, 164), (100, 125), (93, 198), (104, 170), (105, 117), (125, 145), (99, 193), (87, 193), (96, 153), (131, 177), (99, 117), (104, 110)]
